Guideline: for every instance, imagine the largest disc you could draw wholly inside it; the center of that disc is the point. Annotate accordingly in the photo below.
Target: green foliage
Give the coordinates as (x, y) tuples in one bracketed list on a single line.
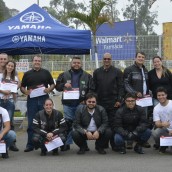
[(4, 11), (94, 18), (111, 10), (61, 8), (144, 18)]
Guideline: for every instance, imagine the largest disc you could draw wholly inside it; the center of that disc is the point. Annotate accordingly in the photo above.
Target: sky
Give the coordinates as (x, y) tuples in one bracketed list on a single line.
[(164, 8)]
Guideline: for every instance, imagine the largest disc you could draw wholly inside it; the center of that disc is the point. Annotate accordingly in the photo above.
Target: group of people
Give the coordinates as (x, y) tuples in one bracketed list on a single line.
[(101, 107)]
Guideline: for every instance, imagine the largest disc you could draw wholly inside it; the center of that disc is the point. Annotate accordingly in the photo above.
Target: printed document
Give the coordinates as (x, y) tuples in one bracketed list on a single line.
[(144, 102), (55, 143), (37, 92)]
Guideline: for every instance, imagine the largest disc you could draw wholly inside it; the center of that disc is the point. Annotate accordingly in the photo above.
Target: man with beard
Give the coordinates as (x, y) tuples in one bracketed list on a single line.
[(91, 124), (76, 83)]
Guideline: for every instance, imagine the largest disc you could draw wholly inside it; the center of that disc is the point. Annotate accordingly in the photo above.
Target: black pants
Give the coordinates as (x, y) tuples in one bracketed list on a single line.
[(80, 139), (39, 141), (111, 113)]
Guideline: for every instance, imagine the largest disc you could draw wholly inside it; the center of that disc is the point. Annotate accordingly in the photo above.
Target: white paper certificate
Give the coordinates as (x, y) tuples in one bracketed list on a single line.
[(74, 94), (55, 143), (12, 86), (2, 147), (37, 92), (144, 102), (165, 141)]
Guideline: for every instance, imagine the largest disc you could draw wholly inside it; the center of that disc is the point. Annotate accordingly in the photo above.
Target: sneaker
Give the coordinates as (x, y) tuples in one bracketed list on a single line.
[(122, 150), (81, 151), (138, 149), (55, 152), (162, 149)]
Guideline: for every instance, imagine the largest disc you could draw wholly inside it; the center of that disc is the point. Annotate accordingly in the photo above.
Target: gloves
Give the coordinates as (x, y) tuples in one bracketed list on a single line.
[(132, 135)]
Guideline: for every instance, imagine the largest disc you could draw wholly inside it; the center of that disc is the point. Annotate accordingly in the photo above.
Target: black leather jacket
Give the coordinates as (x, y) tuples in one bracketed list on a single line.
[(133, 79), (127, 120), (56, 124), (85, 84), (109, 85), (83, 119)]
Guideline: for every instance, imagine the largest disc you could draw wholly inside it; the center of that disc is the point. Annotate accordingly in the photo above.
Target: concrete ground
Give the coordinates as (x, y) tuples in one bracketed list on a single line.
[(69, 161)]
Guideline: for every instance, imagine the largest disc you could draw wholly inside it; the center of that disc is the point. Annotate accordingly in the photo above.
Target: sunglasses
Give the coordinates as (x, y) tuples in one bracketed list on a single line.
[(107, 59), (91, 101)]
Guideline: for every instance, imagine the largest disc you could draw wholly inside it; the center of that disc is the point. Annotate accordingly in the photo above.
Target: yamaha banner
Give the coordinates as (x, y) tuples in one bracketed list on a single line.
[(119, 40)]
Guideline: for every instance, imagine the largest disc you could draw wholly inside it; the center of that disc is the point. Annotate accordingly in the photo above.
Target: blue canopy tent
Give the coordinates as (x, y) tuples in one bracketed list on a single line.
[(35, 31)]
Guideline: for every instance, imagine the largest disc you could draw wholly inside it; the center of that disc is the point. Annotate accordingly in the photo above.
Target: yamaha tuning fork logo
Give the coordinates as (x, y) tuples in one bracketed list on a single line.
[(32, 17)]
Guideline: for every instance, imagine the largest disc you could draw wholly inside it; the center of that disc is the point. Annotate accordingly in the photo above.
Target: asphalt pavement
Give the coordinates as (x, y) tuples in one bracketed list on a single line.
[(69, 161)]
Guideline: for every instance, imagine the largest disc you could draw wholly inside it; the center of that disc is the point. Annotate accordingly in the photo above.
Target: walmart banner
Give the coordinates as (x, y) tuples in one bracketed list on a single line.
[(119, 40)]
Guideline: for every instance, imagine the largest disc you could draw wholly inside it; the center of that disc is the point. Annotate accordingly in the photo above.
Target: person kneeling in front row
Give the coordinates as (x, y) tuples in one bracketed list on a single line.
[(47, 124), (6, 135), (91, 124), (130, 123)]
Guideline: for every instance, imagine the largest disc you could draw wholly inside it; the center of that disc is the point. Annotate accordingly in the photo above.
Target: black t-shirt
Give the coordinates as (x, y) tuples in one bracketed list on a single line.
[(33, 78)]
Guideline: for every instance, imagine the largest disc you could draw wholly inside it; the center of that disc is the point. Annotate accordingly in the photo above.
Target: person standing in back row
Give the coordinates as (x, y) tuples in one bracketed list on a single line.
[(109, 87), (78, 81), (34, 79)]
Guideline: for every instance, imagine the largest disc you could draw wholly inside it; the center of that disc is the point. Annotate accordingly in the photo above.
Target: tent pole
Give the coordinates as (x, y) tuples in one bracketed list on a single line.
[(38, 2), (84, 62)]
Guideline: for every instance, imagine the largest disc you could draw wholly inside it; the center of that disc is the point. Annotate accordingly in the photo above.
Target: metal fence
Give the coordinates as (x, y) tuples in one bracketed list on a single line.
[(91, 66), (152, 45)]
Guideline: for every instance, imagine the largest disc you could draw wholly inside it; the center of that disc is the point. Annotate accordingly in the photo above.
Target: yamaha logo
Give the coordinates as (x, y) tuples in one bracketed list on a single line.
[(32, 17), (15, 39)]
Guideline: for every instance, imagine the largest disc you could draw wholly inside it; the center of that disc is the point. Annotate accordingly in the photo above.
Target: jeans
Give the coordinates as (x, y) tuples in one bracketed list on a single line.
[(9, 138), (34, 105), (69, 114), (155, 102), (142, 138), (158, 132), (8, 104)]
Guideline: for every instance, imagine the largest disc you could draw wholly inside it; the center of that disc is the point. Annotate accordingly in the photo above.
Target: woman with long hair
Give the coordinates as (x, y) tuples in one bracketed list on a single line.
[(8, 96), (160, 76)]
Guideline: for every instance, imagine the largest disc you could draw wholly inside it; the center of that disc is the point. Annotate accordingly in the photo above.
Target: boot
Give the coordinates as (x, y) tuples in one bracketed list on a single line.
[(13, 147), (138, 149), (43, 152), (65, 147), (55, 152), (5, 155)]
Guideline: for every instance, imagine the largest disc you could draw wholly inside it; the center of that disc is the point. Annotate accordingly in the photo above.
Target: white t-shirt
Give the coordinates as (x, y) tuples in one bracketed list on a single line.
[(92, 126), (4, 117), (1, 76), (163, 113)]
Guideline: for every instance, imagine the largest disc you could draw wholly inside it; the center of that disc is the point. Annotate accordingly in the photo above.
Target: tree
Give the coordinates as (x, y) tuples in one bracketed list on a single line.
[(93, 20), (4, 11), (151, 2), (144, 19), (60, 9), (111, 10)]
